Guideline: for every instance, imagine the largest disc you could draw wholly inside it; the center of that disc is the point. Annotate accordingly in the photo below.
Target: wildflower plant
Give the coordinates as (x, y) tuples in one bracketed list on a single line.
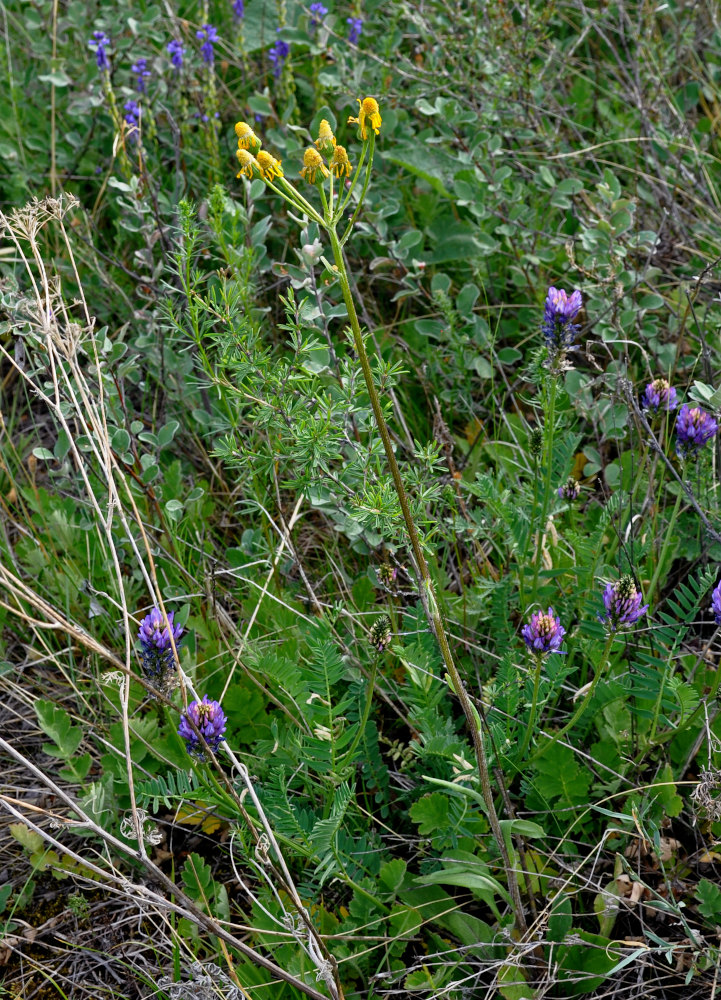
[(694, 428), (328, 206)]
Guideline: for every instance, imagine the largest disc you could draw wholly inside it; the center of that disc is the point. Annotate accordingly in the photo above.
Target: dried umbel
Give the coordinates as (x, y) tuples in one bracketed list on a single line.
[(544, 633), (622, 602)]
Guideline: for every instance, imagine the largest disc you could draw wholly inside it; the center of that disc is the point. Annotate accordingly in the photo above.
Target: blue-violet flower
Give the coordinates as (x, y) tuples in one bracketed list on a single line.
[(318, 12), (694, 427), (623, 605), (544, 633), (238, 9), (140, 68), (155, 638), (355, 29), (278, 54), (209, 719), (659, 395), (176, 51), (571, 490), (100, 43), (560, 311), (207, 35), (716, 602)]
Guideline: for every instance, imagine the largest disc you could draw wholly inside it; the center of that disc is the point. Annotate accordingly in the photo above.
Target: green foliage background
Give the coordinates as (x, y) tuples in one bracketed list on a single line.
[(182, 409)]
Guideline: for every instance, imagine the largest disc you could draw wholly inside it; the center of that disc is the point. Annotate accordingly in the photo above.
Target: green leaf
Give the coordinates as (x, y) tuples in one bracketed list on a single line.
[(710, 895), (392, 874), (430, 813), (672, 802), (5, 894), (198, 879), (56, 723), (561, 918)]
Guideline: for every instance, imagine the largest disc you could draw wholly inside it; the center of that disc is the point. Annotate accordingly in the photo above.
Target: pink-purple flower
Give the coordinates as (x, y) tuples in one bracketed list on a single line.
[(209, 720), (560, 311), (716, 603), (622, 602), (694, 427), (570, 490), (544, 633), (659, 395), (155, 639)]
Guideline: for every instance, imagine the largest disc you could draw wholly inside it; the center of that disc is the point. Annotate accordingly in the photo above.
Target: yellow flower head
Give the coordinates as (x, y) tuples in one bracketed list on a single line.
[(312, 163), (248, 164), (247, 139), (325, 142), (340, 164), (368, 110), (269, 166)]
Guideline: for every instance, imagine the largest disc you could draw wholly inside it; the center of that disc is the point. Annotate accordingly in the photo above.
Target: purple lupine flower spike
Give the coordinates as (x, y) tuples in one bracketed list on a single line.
[(318, 12), (155, 640), (140, 68), (277, 55), (694, 427), (100, 42), (209, 718), (560, 311), (659, 395), (544, 633), (207, 35), (716, 603), (622, 602), (238, 9), (355, 29), (176, 51)]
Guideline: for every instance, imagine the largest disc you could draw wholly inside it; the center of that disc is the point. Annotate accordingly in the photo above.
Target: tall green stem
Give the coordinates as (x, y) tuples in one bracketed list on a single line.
[(550, 429), (534, 703), (427, 590), (603, 663)]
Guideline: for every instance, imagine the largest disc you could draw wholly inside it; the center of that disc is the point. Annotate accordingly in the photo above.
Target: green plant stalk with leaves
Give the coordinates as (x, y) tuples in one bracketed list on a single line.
[(329, 221)]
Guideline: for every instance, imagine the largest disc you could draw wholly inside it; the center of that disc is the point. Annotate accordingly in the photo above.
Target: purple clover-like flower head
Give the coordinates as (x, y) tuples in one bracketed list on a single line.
[(560, 310), (155, 638), (238, 9), (209, 718), (176, 51), (140, 68), (207, 35), (318, 12), (100, 42), (659, 395), (694, 427), (622, 602), (544, 633), (571, 490), (277, 55), (716, 603), (354, 30)]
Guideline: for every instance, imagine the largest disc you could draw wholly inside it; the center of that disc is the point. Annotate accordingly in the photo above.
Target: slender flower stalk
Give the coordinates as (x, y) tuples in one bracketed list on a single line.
[(543, 635), (316, 172)]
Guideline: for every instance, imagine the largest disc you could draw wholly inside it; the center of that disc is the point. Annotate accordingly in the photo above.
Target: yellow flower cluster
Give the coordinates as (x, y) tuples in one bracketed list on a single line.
[(254, 161)]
